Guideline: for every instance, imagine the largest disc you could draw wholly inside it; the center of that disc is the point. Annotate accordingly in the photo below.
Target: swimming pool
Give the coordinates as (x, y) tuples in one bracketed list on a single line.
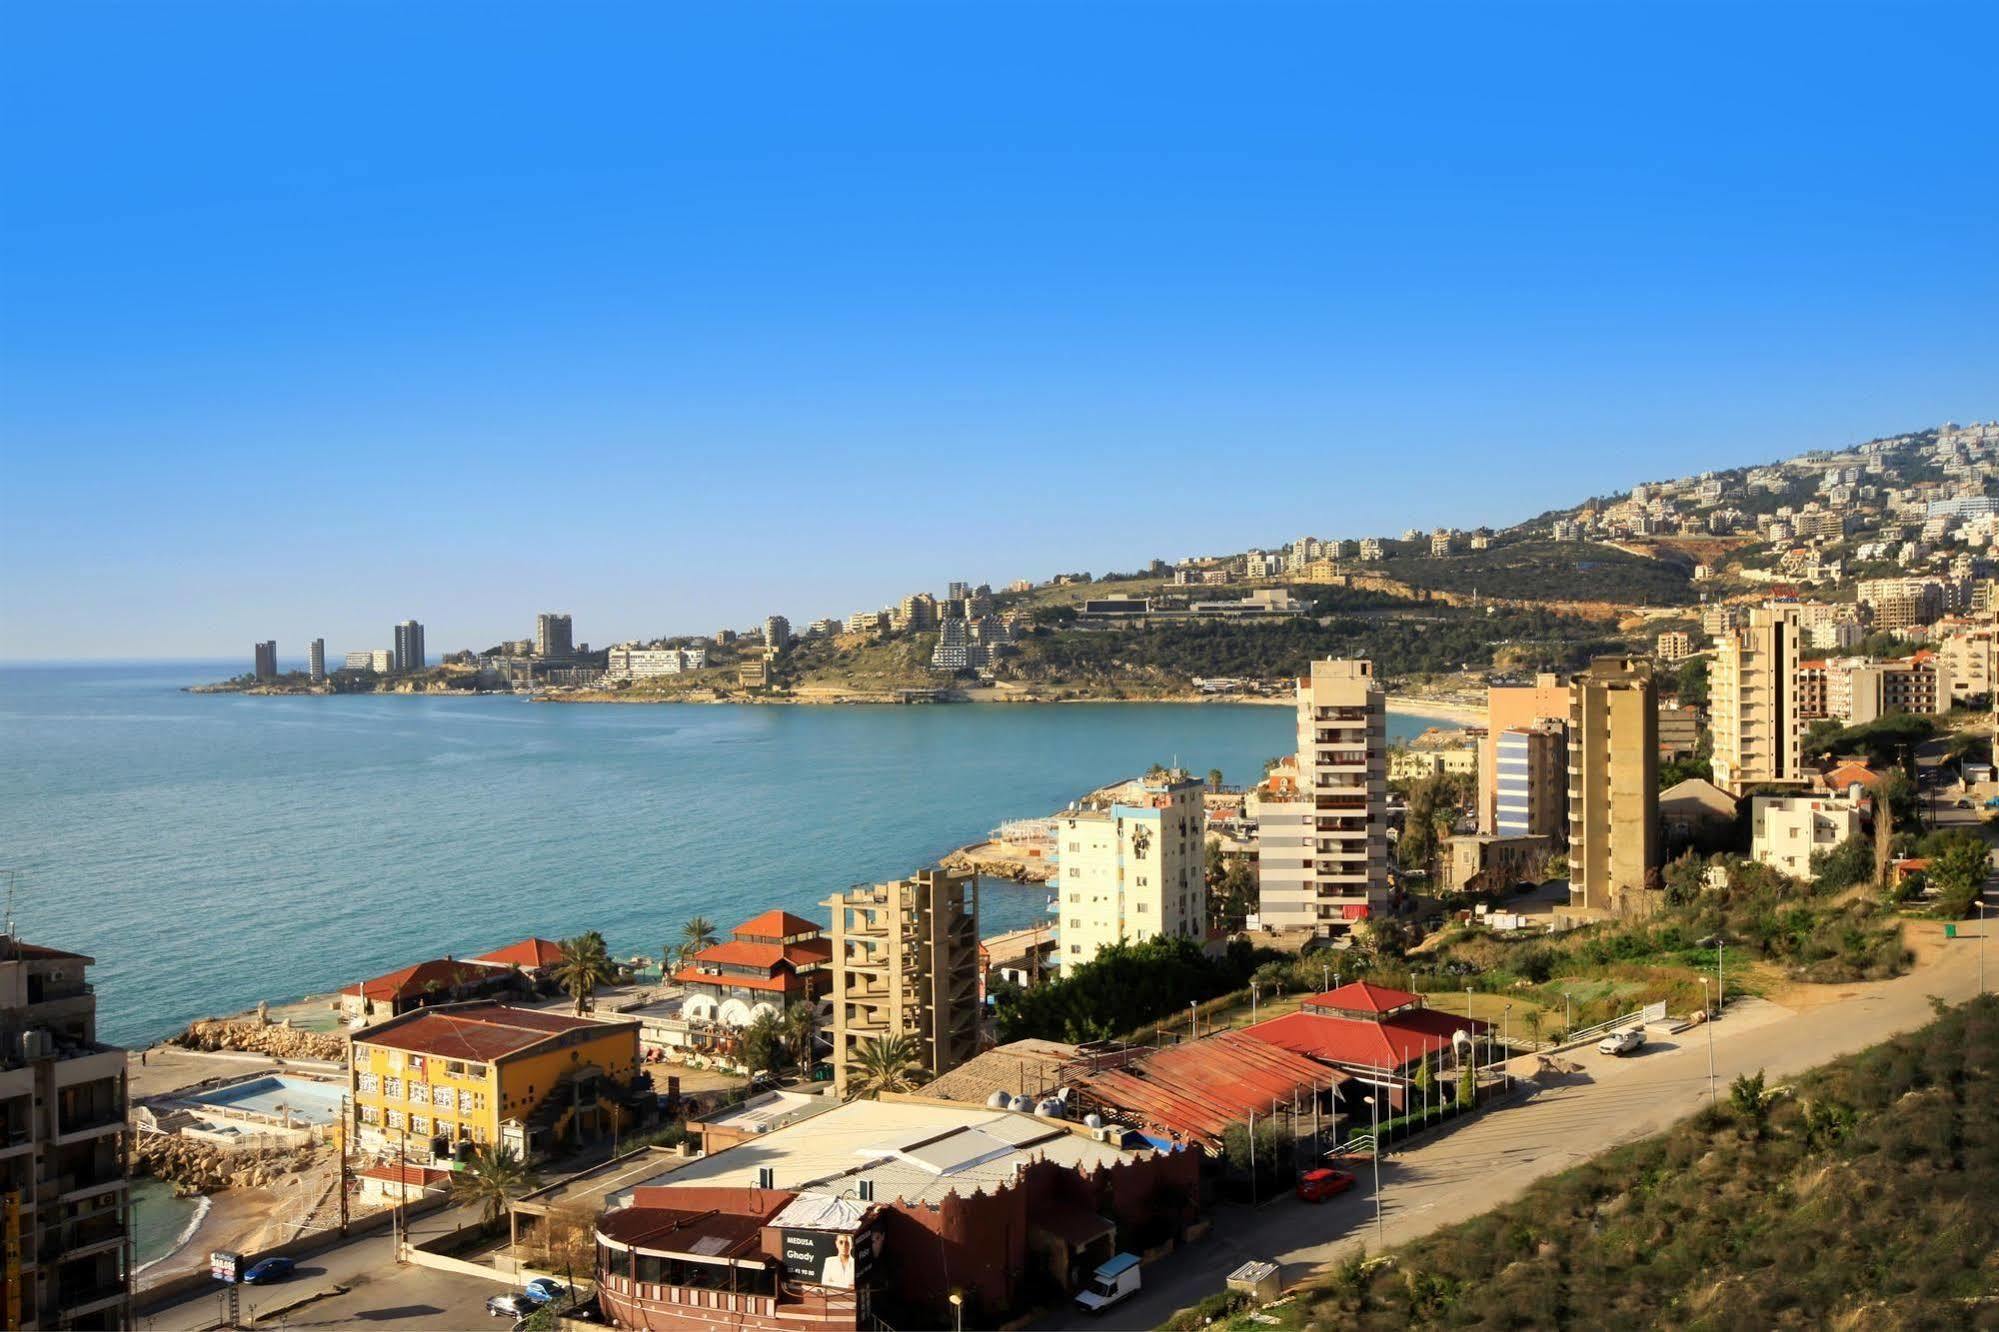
[(270, 1097)]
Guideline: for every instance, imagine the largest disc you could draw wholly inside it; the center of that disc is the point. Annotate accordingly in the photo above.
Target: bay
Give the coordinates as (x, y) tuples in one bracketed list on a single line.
[(213, 850)]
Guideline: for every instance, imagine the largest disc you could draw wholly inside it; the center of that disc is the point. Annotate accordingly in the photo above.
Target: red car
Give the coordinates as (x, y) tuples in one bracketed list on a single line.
[(1319, 1185)]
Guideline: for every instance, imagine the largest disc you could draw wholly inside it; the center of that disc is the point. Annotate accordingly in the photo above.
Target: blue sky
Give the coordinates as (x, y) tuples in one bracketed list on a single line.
[(319, 316)]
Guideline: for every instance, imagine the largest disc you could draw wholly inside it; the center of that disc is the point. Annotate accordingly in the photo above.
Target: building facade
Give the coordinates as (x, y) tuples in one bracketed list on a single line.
[(777, 632), (315, 660), (766, 964), (905, 962), (1323, 858), (1133, 871), (408, 654), (1506, 708), (1786, 831), (266, 665), (65, 1200), (1614, 849), (554, 636), (1531, 788), (637, 663), (1753, 701)]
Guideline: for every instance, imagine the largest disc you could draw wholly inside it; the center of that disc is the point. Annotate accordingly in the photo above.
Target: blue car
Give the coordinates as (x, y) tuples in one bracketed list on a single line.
[(543, 1289), (271, 1269)]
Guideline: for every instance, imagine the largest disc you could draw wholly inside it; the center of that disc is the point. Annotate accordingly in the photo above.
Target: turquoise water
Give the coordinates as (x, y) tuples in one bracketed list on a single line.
[(309, 1102), (213, 850), (159, 1219)]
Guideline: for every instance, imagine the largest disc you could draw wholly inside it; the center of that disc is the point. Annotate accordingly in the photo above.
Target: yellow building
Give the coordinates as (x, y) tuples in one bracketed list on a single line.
[(488, 1073)]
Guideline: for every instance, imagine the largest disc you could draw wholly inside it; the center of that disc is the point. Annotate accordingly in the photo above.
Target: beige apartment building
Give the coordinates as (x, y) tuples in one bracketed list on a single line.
[(1323, 829), (1859, 690), (65, 1201), (1508, 708), (1676, 645), (1614, 847), (906, 962), (1753, 701), (1133, 871), (1966, 654)]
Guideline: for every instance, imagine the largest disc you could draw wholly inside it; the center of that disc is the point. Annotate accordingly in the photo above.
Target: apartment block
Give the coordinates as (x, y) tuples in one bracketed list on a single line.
[(1614, 849), (1859, 690), (1785, 831), (1531, 786), (1322, 828), (267, 659), (315, 660), (1679, 730), (65, 1200), (1753, 701), (1133, 871), (637, 663), (906, 963), (1675, 645), (554, 636), (1966, 654), (408, 654), (777, 632), (1507, 707)]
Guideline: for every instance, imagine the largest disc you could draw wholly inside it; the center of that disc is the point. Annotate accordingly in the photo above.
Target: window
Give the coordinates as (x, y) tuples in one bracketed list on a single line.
[(1075, 922), (419, 1092), (371, 1114), (470, 1101), (393, 1088), (442, 1096), (1075, 897), (395, 1119), (416, 1064), (366, 1082), (1144, 907)]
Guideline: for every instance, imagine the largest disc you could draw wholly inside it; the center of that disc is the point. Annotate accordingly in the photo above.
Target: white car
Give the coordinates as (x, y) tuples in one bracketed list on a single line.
[(1621, 1042)]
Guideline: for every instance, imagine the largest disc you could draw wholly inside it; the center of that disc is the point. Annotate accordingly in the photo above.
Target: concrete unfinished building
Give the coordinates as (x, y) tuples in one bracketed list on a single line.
[(1614, 847), (906, 963)]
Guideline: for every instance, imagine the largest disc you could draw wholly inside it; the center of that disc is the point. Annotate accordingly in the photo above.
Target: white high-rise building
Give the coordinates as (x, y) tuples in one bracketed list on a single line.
[(315, 660), (1323, 860), (1135, 870)]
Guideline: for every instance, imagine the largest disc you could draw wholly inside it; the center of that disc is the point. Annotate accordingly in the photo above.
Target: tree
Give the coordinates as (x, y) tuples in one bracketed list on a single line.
[(493, 1177), (1690, 682), (1532, 1018), (885, 1064), (695, 935), (800, 1028), (1959, 863), (1214, 779), (763, 1044), (585, 963), (1851, 862), (1752, 1100)]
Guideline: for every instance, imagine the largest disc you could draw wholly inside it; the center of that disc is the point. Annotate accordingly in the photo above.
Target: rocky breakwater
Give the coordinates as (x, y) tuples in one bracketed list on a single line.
[(198, 1167), (275, 1039)]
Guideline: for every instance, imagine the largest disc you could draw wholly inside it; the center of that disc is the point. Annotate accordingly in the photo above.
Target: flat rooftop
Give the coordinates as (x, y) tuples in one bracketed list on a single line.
[(911, 1151)]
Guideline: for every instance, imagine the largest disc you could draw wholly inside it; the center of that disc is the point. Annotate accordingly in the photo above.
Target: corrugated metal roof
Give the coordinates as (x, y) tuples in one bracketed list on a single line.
[(1199, 1088)]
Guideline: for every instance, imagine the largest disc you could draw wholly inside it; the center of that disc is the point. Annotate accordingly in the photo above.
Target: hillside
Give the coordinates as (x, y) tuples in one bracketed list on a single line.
[(1547, 571), (1860, 1196)]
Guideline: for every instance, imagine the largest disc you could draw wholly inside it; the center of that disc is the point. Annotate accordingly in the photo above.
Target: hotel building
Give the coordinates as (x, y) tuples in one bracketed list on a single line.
[(1133, 871)]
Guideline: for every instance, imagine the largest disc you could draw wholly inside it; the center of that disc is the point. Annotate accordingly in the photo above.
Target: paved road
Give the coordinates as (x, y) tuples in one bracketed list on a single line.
[(381, 1294), (1491, 1159)]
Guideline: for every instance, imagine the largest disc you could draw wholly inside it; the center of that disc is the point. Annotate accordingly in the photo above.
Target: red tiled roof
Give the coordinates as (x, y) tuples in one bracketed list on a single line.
[(531, 954), (1851, 774), (1363, 997), (776, 925), (1387, 1044), (1198, 1088), (479, 1032), (777, 984), (415, 979), (736, 953)]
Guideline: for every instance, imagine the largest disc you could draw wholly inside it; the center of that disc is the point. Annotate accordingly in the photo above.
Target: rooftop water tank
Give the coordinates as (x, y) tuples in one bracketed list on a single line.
[(999, 1100), (1093, 1120)]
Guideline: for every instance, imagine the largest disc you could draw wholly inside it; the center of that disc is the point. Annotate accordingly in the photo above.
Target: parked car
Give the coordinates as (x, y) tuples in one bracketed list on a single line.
[(1622, 1042), (1319, 1185), (544, 1289), (1116, 1280), (271, 1269), (512, 1306)]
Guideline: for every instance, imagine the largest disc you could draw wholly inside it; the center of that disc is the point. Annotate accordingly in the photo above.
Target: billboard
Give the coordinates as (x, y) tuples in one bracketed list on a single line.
[(836, 1258)]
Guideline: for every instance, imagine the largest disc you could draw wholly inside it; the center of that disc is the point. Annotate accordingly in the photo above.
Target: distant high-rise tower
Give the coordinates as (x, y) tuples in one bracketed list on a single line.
[(315, 660), (777, 632), (1613, 786), (552, 638), (267, 659), (1753, 692), (408, 654)]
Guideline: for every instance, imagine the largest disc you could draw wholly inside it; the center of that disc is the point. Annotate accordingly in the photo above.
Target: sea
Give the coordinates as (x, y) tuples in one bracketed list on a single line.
[(213, 850)]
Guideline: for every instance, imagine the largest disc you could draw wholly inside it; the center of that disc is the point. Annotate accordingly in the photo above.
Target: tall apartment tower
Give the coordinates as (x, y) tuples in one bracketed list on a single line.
[(408, 654), (1547, 699), (63, 1186), (1753, 701), (553, 637), (315, 660), (1614, 847), (1323, 863), (267, 659), (1531, 784), (906, 962), (1134, 871), (777, 632)]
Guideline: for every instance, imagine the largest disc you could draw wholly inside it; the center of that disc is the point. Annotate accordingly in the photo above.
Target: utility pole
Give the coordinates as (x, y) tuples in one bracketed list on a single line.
[(345, 1131), (1713, 1096)]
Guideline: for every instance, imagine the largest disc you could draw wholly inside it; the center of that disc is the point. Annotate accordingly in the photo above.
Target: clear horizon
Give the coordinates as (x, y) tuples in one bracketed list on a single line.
[(675, 319)]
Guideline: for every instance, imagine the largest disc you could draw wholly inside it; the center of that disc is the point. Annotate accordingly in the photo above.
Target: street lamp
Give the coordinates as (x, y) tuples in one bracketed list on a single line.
[(1713, 1096), (1374, 1111), (958, 1310), (1254, 991), (1323, 969), (1193, 1018), (1981, 945), (1506, 1044)]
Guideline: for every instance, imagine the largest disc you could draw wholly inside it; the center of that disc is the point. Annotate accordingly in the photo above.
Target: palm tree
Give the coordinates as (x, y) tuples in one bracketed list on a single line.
[(493, 1178), (885, 1064), (696, 934), (584, 965), (799, 1026)]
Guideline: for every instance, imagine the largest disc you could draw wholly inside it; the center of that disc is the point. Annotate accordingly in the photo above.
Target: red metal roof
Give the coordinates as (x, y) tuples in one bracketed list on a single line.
[(530, 954), (414, 980), (737, 953), (776, 925), (478, 1032), (711, 1235), (1198, 1088), (1364, 997), (420, 1176), (1358, 1043), (777, 984)]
